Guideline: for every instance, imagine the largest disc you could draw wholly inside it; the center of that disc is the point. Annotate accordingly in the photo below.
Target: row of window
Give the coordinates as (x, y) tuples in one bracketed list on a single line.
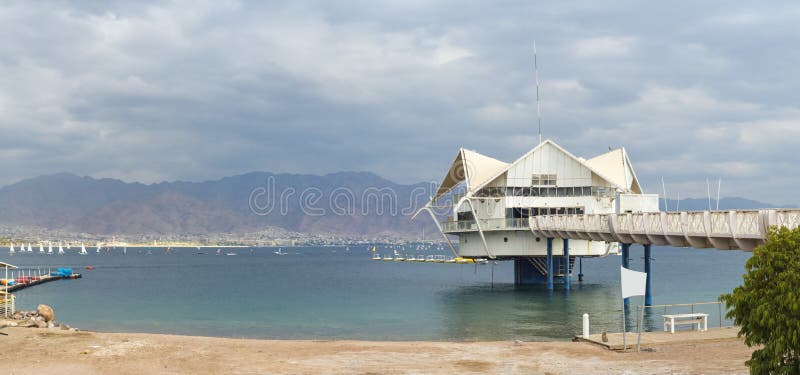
[(573, 191), (525, 212)]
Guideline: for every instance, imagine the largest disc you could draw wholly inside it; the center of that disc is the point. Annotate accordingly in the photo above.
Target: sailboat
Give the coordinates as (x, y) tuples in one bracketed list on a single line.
[(99, 247), (41, 248), (30, 249), (279, 252), (11, 248), (375, 255), (49, 247), (83, 250), (60, 250)]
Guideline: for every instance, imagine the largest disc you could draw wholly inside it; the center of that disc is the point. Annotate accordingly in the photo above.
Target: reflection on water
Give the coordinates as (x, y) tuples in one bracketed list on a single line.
[(318, 293), (528, 313)]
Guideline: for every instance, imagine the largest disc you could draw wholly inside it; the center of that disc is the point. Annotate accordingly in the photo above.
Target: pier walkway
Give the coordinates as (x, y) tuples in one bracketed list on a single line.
[(724, 230), (38, 280)]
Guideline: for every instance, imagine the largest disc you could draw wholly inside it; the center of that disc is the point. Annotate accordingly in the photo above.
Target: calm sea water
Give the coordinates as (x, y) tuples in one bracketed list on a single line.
[(330, 293)]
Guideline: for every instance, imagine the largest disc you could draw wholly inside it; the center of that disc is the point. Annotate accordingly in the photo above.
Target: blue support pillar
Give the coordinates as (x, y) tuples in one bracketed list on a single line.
[(549, 264), (625, 249), (648, 295), (566, 266)]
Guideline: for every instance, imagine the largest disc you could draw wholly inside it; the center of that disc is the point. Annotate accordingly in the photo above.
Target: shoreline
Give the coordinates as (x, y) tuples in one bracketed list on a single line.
[(28, 350)]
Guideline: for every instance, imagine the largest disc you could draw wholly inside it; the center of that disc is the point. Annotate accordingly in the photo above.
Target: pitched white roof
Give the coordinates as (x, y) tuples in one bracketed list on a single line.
[(480, 170), (472, 167), (616, 167)]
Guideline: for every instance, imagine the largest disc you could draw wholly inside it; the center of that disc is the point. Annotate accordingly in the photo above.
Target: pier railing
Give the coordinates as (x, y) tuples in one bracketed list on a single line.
[(7, 307), (485, 224)]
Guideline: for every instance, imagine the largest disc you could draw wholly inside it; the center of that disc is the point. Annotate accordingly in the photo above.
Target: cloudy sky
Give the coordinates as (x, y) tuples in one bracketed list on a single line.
[(195, 91)]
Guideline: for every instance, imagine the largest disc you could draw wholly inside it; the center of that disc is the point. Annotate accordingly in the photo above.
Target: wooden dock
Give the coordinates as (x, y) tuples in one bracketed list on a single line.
[(652, 339), (42, 279)]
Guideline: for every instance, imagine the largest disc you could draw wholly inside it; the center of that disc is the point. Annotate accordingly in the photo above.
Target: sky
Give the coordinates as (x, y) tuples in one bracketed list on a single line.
[(200, 90)]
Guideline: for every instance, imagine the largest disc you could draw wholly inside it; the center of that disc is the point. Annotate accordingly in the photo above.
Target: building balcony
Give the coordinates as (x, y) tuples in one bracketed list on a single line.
[(461, 226)]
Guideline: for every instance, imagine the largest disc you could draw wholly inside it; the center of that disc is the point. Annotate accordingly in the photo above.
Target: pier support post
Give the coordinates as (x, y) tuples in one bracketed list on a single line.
[(625, 249), (549, 264), (566, 265), (648, 294)]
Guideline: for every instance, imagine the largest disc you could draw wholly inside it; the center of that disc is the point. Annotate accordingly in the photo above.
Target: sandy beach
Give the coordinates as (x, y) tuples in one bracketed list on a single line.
[(42, 351)]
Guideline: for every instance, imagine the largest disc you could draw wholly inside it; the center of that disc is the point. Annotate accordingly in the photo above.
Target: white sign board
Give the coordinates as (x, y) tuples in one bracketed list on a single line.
[(633, 283)]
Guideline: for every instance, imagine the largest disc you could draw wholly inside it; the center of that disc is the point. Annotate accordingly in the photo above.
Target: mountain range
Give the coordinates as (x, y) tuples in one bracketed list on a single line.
[(347, 203), (344, 203)]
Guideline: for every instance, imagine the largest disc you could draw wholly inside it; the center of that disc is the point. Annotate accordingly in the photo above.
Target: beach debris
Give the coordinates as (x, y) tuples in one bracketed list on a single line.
[(46, 312), (605, 336)]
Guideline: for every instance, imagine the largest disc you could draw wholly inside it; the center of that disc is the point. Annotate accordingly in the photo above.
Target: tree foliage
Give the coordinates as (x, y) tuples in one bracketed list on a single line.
[(766, 307)]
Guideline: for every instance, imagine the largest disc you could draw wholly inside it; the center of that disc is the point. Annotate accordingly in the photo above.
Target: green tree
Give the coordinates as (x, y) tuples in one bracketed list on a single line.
[(766, 307)]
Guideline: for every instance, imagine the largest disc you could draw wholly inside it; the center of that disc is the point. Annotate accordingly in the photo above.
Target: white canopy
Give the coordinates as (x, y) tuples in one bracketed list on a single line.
[(472, 167), (616, 167)]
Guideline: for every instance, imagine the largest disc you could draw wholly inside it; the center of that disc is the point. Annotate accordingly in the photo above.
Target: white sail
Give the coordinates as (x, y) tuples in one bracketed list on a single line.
[(60, 250), (49, 247), (11, 248), (99, 247), (30, 249), (41, 248), (83, 250)]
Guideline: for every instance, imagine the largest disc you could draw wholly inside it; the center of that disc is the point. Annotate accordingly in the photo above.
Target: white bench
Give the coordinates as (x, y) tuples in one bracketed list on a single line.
[(696, 318)]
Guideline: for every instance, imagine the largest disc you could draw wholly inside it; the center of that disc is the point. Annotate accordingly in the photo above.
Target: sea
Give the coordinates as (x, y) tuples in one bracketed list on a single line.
[(340, 293)]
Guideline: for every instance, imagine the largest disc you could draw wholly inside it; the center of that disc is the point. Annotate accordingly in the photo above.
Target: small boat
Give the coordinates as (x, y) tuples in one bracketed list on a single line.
[(41, 248), (376, 257), (219, 252), (60, 250), (83, 250), (279, 252), (99, 247), (229, 254), (30, 249), (389, 258), (50, 248), (11, 248), (89, 268)]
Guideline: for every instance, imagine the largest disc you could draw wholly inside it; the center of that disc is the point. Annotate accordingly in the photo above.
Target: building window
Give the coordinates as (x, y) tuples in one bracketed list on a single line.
[(543, 180)]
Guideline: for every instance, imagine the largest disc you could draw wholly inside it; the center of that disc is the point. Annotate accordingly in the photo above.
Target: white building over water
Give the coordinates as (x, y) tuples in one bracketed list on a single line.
[(491, 201)]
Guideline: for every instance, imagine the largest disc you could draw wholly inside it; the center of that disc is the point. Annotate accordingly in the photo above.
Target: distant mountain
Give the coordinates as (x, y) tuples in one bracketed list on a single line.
[(348, 203), (700, 204)]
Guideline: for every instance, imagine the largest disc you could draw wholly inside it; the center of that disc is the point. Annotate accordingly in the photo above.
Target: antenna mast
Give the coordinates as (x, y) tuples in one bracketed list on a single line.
[(538, 107)]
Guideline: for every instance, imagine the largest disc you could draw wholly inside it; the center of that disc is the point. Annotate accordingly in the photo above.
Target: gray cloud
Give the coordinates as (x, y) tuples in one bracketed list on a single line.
[(164, 91)]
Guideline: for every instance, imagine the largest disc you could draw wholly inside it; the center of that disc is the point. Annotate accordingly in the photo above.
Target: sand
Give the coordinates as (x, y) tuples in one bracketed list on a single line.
[(43, 351)]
